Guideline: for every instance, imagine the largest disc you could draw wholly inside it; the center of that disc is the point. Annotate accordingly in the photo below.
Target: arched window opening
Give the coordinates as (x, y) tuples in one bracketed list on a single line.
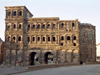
[(19, 26), (62, 24), (14, 26), (61, 44), (33, 27), (28, 39), (62, 38), (13, 39), (20, 13), (19, 38), (33, 38), (48, 26), (53, 38), (9, 13), (74, 44), (43, 38), (74, 37), (43, 26), (14, 13), (72, 24), (38, 38), (8, 27), (8, 38), (53, 26), (28, 27), (48, 38), (38, 26), (68, 38)]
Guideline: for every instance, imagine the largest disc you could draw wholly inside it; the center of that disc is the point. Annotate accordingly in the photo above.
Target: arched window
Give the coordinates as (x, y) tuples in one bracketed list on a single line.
[(33, 38), (8, 38), (9, 13), (13, 39), (14, 26), (53, 38), (20, 13), (8, 27), (38, 38), (68, 38), (28, 39), (33, 27), (48, 26), (53, 26), (62, 24), (72, 24), (19, 38), (74, 44), (19, 26), (38, 26), (28, 27), (74, 37), (43, 38), (43, 26), (62, 37), (61, 44), (14, 13), (48, 38)]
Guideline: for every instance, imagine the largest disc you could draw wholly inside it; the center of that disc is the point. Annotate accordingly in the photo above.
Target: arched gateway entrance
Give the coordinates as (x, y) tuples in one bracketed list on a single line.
[(48, 56), (33, 57)]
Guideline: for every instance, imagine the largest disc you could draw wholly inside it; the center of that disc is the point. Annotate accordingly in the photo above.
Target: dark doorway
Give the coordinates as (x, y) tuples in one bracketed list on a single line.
[(48, 56), (81, 62), (32, 58)]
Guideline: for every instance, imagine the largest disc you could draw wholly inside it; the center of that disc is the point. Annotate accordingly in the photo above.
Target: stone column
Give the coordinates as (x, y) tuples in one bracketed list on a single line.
[(51, 39), (50, 26), (36, 39), (68, 26), (45, 26), (64, 26), (46, 39), (30, 26), (35, 26), (40, 56), (41, 38), (40, 26), (58, 26), (58, 39)]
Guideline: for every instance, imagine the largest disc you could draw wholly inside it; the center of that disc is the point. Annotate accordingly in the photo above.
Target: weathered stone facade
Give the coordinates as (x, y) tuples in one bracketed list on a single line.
[(67, 40)]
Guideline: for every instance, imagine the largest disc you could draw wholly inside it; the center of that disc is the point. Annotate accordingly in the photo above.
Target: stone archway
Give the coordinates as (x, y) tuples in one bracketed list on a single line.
[(48, 56), (33, 57)]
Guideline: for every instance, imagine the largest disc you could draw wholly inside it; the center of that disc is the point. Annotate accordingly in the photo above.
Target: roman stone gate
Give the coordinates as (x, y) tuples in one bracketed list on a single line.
[(41, 56)]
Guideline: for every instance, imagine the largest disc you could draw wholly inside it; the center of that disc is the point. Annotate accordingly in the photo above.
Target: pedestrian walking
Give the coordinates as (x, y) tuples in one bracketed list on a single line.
[(17, 65), (13, 65)]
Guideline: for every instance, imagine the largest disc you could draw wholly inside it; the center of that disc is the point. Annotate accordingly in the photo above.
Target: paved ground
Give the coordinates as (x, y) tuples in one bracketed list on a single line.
[(8, 70), (69, 70)]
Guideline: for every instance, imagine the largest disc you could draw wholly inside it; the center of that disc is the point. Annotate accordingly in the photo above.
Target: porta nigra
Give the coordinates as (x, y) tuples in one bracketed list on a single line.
[(29, 39)]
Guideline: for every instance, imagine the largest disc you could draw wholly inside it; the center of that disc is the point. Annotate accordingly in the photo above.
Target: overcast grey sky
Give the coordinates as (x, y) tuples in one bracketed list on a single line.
[(86, 11)]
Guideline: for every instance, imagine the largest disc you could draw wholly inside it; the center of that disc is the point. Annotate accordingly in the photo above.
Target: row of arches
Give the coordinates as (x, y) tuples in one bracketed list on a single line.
[(69, 56), (50, 25), (14, 38), (14, 13), (33, 56), (13, 26)]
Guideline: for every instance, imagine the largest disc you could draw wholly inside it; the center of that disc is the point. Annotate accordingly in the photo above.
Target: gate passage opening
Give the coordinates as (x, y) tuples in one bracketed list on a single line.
[(33, 58), (48, 57)]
